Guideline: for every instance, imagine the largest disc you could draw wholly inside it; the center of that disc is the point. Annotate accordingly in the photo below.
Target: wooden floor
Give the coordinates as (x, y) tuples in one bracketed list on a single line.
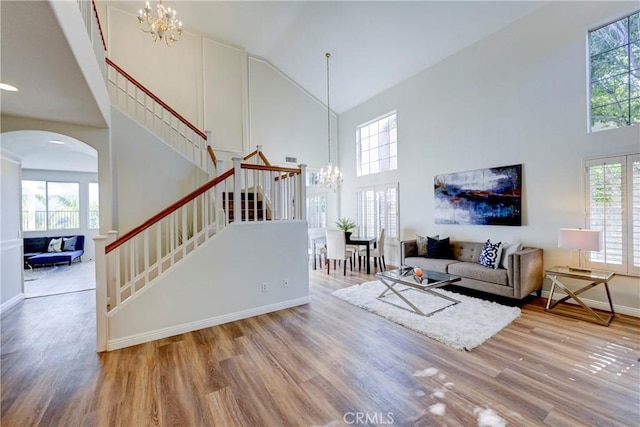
[(326, 363)]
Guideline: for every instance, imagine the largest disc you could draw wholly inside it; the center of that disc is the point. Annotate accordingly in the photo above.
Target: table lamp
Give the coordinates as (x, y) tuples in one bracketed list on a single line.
[(580, 239)]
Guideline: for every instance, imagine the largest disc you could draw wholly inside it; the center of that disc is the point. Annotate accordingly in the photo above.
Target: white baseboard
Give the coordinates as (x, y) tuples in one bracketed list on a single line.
[(599, 305), (201, 324), (10, 303)]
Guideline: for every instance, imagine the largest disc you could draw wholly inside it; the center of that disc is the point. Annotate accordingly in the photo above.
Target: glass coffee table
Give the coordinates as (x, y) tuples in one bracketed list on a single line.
[(404, 276)]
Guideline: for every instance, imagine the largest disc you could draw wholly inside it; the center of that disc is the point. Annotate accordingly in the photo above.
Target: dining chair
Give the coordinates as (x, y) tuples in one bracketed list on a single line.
[(355, 231), (376, 253), (320, 247), (337, 250)]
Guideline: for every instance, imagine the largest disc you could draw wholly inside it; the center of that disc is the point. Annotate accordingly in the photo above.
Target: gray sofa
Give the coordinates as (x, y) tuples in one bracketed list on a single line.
[(522, 276)]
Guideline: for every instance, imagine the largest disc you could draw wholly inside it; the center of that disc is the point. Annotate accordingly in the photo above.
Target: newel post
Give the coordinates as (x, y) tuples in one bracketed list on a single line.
[(102, 325), (302, 192), (237, 189), (258, 156), (112, 235)]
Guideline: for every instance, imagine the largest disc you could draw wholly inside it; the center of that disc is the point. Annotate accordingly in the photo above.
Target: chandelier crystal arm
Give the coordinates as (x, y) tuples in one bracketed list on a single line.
[(164, 25)]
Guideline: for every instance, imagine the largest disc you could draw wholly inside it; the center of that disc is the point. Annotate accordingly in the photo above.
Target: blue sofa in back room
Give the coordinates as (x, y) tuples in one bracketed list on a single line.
[(52, 250)]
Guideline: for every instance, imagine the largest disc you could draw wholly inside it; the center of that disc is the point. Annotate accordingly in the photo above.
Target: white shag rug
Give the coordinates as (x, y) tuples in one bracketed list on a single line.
[(462, 326)]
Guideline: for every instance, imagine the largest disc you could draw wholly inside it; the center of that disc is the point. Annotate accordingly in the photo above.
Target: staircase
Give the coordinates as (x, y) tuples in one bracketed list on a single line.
[(130, 266), (252, 207)]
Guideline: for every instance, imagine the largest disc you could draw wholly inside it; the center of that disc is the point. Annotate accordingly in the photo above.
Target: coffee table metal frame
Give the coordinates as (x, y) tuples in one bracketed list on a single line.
[(431, 280)]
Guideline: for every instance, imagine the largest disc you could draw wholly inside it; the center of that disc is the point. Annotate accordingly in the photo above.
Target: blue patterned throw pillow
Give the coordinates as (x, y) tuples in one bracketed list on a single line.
[(490, 255)]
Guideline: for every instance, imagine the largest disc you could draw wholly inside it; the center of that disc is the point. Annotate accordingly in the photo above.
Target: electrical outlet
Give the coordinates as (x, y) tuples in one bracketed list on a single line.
[(265, 286), (285, 283)]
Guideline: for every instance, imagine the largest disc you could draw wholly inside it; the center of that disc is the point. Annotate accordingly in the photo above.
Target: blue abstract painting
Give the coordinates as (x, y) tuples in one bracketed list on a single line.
[(485, 197)]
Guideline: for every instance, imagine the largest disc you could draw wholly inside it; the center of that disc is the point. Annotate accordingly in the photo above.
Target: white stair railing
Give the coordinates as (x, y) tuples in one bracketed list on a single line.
[(132, 261), (147, 109)]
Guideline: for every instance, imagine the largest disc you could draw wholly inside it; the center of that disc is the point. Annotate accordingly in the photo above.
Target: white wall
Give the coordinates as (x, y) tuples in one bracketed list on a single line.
[(11, 289), (149, 174), (83, 179), (285, 119), (242, 99), (224, 95), (196, 294), (175, 75), (518, 96)]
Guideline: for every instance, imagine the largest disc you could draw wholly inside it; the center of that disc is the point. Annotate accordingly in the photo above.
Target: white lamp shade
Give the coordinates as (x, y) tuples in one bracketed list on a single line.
[(578, 238)]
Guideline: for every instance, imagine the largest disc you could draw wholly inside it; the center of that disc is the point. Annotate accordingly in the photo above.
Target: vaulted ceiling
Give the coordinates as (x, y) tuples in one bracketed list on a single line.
[(374, 46)]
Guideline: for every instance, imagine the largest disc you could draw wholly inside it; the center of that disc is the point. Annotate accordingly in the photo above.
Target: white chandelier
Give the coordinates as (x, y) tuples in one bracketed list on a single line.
[(329, 176), (163, 26)]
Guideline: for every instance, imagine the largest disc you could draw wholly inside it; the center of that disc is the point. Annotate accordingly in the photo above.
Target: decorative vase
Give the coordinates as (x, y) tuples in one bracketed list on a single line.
[(347, 235)]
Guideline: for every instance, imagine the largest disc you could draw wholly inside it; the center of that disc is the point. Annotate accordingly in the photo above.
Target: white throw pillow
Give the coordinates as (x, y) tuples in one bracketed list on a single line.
[(508, 249), (55, 245)]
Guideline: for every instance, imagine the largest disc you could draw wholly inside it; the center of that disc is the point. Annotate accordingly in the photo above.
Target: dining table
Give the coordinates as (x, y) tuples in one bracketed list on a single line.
[(351, 240)]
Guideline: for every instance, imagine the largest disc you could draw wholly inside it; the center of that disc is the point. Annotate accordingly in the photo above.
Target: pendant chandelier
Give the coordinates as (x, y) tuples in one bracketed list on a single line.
[(329, 176), (164, 25)]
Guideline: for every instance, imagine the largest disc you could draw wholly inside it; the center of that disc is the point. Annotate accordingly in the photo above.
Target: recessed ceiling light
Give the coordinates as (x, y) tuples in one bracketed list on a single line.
[(10, 88), (55, 141)]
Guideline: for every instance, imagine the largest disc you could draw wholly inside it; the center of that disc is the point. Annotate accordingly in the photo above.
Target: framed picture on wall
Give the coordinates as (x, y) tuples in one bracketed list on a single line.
[(483, 197)]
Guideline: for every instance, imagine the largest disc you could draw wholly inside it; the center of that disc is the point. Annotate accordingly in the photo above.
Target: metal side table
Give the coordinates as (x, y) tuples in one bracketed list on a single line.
[(595, 277)]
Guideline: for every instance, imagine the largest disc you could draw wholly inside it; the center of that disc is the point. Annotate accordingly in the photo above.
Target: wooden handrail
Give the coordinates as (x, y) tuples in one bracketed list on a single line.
[(270, 168), (189, 197), (212, 155), (95, 11), (287, 175), (264, 159), (156, 99), (168, 210), (260, 154), (250, 155)]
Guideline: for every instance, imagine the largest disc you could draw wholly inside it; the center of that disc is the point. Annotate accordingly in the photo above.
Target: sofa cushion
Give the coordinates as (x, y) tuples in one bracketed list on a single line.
[(472, 270), (438, 248), (35, 244), (490, 256), (433, 264), (466, 251), (54, 257)]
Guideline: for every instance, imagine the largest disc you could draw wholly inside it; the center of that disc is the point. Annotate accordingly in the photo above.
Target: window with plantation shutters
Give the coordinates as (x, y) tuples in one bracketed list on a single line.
[(317, 210), (377, 208), (613, 207)]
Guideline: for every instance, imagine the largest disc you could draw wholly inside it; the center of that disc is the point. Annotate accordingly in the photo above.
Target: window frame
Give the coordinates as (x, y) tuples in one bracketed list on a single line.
[(392, 142), (47, 222), (628, 72), (89, 210), (630, 220)]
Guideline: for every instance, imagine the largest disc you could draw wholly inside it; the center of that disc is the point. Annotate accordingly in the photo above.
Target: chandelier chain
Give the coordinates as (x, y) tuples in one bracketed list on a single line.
[(329, 176), (328, 55)]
